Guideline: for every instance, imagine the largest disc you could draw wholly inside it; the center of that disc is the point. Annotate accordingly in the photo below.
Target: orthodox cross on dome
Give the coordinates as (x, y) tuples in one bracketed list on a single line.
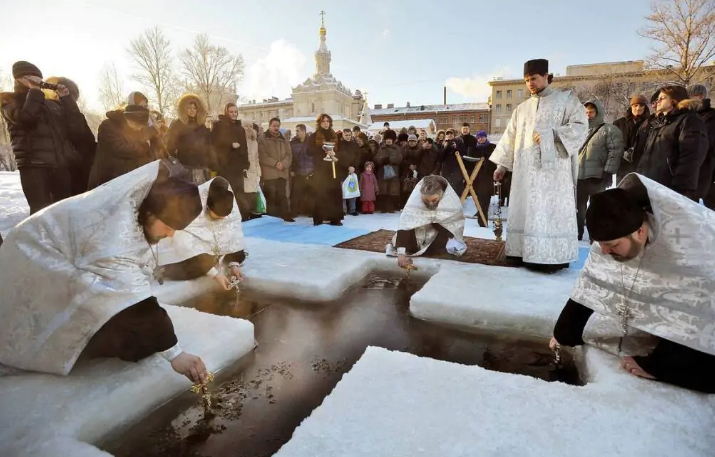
[(322, 55)]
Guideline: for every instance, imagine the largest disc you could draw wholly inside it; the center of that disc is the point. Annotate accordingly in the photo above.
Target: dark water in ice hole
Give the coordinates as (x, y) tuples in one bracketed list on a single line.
[(303, 351)]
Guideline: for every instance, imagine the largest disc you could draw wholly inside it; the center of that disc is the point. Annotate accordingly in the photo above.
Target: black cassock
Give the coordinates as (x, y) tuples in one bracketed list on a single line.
[(328, 191)]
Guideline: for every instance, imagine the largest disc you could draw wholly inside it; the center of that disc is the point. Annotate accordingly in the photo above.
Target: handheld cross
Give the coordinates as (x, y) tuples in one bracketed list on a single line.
[(469, 187)]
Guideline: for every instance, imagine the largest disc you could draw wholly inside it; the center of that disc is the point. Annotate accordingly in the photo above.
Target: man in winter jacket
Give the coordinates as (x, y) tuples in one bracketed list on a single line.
[(706, 189), (39, 137), (301, 192), (598, 159), (275, 156), (629, 125)]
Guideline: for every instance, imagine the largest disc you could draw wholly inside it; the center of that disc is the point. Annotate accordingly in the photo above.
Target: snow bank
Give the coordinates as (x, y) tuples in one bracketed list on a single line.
[(497, 298), (398, 404), (13, 206), (47, 415)]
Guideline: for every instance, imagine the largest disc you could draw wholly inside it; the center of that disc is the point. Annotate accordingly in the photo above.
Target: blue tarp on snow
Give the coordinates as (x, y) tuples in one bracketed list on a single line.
[(303, 232)]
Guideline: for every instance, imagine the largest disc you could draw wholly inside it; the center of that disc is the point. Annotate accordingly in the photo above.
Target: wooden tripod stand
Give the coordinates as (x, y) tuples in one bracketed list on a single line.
[(469, 185)]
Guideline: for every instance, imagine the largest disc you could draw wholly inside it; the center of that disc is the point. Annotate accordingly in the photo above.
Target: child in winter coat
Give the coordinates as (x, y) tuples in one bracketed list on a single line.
[(368, 188)]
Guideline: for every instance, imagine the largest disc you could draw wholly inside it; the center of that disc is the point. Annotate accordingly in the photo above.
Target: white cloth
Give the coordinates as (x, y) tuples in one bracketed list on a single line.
[(69, 268), (456, 247), (415, 216), (673, 291), (542, 204), (204, 234)]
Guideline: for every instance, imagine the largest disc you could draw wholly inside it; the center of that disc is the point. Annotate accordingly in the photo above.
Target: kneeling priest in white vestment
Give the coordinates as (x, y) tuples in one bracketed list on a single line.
[(651, 269), (432, 222), (76, 276), (212, 244)]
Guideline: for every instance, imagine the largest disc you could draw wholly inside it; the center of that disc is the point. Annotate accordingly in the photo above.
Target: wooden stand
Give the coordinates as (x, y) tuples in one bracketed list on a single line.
[(469, 185)]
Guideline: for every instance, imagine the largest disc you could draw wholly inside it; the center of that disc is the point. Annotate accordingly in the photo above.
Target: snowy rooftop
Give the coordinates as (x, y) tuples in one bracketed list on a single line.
[(431, 108), (390, 403)]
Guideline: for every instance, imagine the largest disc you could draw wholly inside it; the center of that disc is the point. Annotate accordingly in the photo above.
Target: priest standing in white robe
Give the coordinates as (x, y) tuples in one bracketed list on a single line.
[(212, 245), (76, 276), (540, 147), (651, 270), (432, 222)]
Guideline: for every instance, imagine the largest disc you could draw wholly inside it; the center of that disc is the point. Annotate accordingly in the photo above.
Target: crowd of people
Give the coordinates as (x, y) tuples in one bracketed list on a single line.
[(149, 182)]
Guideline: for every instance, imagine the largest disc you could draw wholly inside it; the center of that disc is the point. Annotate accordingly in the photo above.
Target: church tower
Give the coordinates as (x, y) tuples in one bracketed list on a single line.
[(322, 55)]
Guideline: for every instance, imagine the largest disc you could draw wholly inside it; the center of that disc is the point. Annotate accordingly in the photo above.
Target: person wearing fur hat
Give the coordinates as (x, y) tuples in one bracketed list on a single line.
[(629, 125), (94, 299), (388, 160), (653, 293), (80, 134), (540, 147), (125, 142), (677, 143), (328, 198), (189, 140), (40, 137)]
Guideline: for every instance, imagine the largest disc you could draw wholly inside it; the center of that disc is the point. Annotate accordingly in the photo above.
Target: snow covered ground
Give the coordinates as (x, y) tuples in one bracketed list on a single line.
[(397, 404), (420, 413), (13, 206)]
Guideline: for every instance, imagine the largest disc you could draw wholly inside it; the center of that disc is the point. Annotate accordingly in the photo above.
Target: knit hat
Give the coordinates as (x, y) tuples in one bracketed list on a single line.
[(389, 135), (22, 68), (655, 96), (613, 214), (220, 199), (482, 134), (174, 201), (402, 137), (638, 99), (136, 113), (136, 98), (412, 137)]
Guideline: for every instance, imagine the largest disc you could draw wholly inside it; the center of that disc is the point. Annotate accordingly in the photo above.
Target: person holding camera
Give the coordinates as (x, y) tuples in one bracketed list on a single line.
[(39, 137), (629, 125), (450, 167)]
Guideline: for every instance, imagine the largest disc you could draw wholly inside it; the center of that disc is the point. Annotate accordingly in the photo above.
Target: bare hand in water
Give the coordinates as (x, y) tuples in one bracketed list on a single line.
[(190, 366), (553, 344), (402, 261), (222, 281)]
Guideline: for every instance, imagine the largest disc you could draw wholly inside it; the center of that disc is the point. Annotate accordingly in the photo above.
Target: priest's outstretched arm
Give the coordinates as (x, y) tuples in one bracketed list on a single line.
[(142, 330), (568, 330), (503, 155)]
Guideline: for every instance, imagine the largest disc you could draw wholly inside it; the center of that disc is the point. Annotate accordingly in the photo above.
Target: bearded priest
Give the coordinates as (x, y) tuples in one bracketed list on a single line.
[(651, 269), (76, 276), (211, 244), (432, 221), (540, 147)]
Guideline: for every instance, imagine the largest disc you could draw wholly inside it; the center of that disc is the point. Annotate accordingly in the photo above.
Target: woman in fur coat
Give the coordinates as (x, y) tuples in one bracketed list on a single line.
[(189, 139), (328, 189)]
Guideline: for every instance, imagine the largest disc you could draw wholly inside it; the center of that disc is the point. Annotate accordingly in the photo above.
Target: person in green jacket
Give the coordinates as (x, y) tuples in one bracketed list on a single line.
[(598, 159)]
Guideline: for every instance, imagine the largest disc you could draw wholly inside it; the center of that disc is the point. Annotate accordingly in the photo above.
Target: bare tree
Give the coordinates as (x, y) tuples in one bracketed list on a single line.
[(684, 32), (151, 53), (111, 89), (7, 158), (213, 71)]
